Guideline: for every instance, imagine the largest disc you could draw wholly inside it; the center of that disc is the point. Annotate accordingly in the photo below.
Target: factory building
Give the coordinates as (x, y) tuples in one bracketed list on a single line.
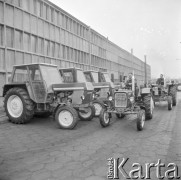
[(39, 31)]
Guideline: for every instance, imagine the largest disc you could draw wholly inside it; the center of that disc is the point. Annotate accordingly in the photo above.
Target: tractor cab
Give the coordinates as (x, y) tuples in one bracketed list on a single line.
[(101, 89), (38, 79)]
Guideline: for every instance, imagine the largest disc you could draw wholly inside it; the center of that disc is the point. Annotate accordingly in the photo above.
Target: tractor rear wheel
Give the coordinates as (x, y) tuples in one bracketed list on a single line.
[(18, 106), (170, 103), (140, 120), (104, 118), (66, 117), (173, 93), (87, 116), (98, 105), (149, 106)]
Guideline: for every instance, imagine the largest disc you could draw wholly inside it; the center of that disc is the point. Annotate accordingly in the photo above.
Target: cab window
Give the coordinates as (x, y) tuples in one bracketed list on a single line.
[(21, 75), (34, 73)]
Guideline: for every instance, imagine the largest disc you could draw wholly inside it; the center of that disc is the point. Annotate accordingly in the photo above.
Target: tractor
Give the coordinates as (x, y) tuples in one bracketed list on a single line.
[(165, 92), (75, 77), (38, 89), (101, 90), (125, 101)]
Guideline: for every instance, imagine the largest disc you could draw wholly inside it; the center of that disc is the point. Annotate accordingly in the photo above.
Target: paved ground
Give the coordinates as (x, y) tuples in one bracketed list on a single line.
[(40, 151)]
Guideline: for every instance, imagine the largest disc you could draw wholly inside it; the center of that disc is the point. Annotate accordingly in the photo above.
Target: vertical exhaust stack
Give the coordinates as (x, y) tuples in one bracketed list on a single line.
[(133, 83), (145, 72), (133, 78)]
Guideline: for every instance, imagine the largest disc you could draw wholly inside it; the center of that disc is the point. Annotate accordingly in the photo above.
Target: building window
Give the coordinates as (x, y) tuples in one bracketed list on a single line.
[(10, 37), (46, 12), (46, 46), (34, 44), (26, 42), (39, 8), (18, 39), (56, 18), (51, 14), (1, 35), (25, 5), (52, 48), (40, 45)]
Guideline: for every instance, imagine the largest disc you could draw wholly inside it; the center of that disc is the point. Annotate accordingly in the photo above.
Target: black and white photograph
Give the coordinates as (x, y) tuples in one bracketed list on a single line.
[(90, 89)]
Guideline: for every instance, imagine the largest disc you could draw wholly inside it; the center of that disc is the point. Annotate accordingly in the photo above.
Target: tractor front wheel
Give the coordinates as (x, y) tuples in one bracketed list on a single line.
[(149, 106), (140, 120), (98, 105), (104, 118), (18, 106), (87, 116), (66, 117)]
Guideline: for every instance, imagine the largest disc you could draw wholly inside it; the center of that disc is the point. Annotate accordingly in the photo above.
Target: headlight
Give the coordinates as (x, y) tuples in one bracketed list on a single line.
[(82, 97), (110, 98), (131, 99), (93, 96)]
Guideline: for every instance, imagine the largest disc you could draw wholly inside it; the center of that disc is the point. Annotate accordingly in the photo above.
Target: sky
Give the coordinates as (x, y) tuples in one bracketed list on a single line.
[(150, 27)]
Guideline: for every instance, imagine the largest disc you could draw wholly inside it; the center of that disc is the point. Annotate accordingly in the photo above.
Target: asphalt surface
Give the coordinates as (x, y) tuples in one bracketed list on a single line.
[(40, 151)]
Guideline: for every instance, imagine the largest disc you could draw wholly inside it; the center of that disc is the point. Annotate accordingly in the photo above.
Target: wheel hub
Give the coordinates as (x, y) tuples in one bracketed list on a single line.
[(65, 118), (15, 106)]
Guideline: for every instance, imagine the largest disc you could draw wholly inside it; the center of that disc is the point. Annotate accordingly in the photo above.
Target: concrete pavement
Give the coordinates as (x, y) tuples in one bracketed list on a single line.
[(39, 150)]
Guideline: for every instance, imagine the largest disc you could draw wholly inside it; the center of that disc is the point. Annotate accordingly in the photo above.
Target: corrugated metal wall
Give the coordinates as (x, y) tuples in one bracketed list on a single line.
[(38, 31)]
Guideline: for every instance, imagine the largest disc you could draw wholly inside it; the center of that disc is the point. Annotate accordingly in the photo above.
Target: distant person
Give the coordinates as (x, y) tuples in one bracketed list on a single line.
[(160, 81), (129, 81), (128, 84)]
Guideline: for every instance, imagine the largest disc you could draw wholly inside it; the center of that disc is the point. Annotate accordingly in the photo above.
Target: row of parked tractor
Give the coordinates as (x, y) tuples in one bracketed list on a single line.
[(71, 94)]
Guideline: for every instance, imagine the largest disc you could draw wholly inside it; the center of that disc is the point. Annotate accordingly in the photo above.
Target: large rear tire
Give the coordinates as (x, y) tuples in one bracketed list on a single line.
[(170, 103), (141, 120), (98, 105), (173, 93), (104, 118), (149, 106), (18, 106), (87, 116), (66, 117)]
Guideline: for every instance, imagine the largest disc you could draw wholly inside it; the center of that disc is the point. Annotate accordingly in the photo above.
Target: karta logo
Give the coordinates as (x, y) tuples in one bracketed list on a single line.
[(116, 170)]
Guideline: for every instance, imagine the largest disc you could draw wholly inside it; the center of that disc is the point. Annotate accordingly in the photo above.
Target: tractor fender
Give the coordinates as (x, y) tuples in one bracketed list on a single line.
[(24, 86), (61, 104)]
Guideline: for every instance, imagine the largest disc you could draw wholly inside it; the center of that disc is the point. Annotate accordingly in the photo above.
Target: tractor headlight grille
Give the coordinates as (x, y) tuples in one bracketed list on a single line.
[(120, 99)]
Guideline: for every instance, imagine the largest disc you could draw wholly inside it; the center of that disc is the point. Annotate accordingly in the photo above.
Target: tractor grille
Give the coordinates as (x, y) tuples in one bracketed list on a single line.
[(120, 100)]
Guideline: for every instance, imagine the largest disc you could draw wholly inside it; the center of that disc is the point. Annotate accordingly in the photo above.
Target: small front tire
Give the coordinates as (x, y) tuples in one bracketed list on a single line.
[(89, 115), (66, 117), (104, 118), (98, 105)]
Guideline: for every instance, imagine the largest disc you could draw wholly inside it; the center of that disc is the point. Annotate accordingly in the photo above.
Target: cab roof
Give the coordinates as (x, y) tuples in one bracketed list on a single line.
[(71, 68), (44, 64)]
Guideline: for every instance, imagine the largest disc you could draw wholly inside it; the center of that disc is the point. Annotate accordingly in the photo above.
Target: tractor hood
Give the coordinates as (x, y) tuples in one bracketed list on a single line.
[(100, 85), (72, 87)]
